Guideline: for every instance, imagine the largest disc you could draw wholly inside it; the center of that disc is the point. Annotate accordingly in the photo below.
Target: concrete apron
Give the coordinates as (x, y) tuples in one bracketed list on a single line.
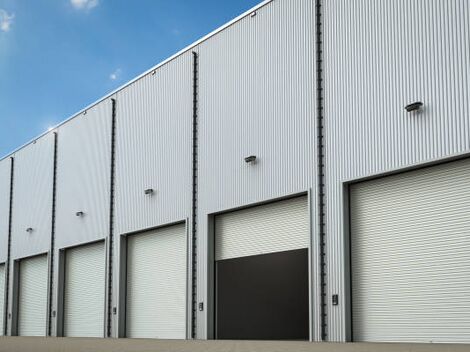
[(70, 344)]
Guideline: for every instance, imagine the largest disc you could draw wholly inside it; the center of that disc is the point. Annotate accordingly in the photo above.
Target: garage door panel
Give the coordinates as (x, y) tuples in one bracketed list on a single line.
[(261, 255), (269, 228), (410, 256), (84, 291), (156, 284), (32, 300)]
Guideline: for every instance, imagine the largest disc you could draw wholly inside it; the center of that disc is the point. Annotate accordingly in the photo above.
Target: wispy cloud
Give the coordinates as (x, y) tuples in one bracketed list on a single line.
[(84, 4), (115, 75), (6, 20)]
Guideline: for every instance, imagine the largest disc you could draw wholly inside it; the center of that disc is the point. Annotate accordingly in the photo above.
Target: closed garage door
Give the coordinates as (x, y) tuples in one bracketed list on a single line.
[(32, 299), (84, 294), (156, 284), (2, 297), (410, 256), (262, 262)]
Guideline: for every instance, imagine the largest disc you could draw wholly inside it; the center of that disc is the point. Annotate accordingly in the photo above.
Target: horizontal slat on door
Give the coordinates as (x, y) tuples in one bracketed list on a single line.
[(269, 228), (84, 291), (410, 247), (156, 284), (32, 301)]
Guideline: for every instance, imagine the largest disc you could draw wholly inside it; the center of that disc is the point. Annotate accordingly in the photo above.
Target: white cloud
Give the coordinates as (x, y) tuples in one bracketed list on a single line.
[(5, 20), (115, 75), (84, 4)]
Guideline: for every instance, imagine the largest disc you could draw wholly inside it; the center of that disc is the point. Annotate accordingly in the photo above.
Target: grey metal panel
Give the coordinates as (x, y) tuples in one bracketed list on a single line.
[(83, 177), (410, 252), (156, 283), (274, 227), (84, 296), (257, 97), (5, 167), (32, 300), (379, 56), (153, 148), (2, 296), (32, 198)]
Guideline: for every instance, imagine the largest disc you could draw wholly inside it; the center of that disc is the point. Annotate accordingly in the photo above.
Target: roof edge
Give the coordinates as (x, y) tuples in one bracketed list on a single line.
[(145, 73)]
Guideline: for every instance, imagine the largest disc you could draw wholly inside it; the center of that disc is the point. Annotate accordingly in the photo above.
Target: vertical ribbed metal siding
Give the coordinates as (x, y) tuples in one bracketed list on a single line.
[(153, 148), (32, 199), (410, 254), (5, 167), (83, 177), (257, 97), (379, 56), (2, 297)]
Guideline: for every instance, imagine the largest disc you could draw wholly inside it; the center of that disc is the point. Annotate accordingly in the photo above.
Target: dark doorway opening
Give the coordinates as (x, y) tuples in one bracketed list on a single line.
[(263, 297)]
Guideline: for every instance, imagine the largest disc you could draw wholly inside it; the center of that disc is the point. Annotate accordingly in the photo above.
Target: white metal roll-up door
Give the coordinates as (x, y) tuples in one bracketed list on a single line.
[(274, 227), (84, 292), (156, 284), (410, 256), (2, 297), (32, 300)]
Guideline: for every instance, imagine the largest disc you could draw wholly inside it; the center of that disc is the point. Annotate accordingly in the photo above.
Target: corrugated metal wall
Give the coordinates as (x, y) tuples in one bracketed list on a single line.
[(153, 148), (83, 177), (379, 56), (5, 168), (257, 97), (82, 184), (32, 198), (153, 151), (32, 202)]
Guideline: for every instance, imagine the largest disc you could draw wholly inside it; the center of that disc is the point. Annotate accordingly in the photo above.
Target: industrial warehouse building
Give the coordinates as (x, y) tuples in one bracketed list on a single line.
[(301, 173)]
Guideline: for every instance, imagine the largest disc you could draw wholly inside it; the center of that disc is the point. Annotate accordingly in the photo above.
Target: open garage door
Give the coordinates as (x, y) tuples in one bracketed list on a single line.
[(410, 256), (262, 272)]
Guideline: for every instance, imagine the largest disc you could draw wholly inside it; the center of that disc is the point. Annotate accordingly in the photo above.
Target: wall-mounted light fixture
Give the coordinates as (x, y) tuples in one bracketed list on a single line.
[(29, 230), (250, 159), (253, 14), (79, 213), (149, 191), (414, 106)]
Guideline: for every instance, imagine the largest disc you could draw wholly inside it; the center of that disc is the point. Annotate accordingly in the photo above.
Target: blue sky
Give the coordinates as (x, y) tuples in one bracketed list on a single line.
[(57, 56)]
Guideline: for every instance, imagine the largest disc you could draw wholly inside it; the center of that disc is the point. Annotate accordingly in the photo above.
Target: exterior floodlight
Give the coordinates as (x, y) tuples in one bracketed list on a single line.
[(149, 191), (29, 230), (413, 106), (250, 159), (79, 213)]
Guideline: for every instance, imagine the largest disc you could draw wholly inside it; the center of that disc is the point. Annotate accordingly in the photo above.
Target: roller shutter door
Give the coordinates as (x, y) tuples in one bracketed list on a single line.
[(410, 256), (2, 297), (32, 299), (156, 284), (84, 293), (274, 227), (262, 262)]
